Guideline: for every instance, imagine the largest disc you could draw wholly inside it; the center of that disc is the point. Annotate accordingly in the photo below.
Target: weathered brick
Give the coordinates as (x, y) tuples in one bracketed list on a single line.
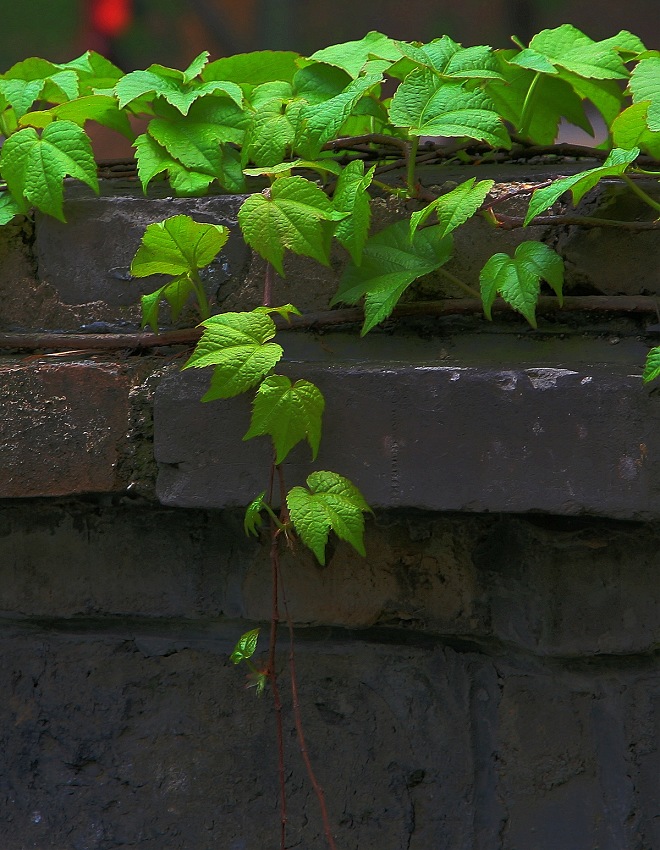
[(490, 427), (62, 427)]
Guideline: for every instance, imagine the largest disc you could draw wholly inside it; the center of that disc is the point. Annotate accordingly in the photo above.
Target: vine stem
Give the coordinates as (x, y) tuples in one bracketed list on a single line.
[(411, 161), (268, 286), (641, 193), (300, 732), (83, 344), (525, 117), (200, 292), (458, 282)]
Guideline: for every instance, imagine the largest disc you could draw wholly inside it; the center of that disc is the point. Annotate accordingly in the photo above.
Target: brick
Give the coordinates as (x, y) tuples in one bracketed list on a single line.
[(491, 427), (62, 428)]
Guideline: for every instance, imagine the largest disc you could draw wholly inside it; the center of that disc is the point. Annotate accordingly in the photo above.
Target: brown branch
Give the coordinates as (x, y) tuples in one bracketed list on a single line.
[(367, 138), (322, 319)]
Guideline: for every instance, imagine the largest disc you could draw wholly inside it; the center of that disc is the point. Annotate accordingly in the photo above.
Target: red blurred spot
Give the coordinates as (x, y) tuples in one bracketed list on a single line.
[(111, 17)]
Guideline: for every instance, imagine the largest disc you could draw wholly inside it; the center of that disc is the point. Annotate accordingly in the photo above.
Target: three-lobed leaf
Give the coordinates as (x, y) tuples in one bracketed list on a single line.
[(330, 502), (35, 166), (293, 213), (517, 279), (645, 86), (289, 413), (177, 245), (238, 345), (351, 197), (252, 519)]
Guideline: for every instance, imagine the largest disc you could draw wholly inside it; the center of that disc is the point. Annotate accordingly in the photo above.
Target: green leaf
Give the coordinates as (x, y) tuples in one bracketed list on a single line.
[(255, 68), (323, 166), (177, 245), (9, 207), (95, 107), (319, 82), (351, 197), (289, 413), (645, 86), (454, 208), (652, 366), (517, 279), (35, 167), (567, 47), (352, 56), (616, 163), (450, 59), (330, 503), (34, 79), (553, 98), (391, 261), (94, 72), (630, 130), (196, 148), (291, 214), (252, 520), (427, 106), (285, 311), (176, 293), (238, 345), (322, 121), (269, 136), (177, 92), (246, 647)]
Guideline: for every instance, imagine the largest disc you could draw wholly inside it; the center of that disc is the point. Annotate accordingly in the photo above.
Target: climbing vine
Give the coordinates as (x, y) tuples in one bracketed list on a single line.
[(311, 141)]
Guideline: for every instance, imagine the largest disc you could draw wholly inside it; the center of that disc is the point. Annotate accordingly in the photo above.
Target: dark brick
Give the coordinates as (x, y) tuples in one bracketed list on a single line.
[(62, 428)]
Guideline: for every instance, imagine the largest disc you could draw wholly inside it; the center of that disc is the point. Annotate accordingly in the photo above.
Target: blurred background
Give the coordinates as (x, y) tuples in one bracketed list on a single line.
[(135, 33)]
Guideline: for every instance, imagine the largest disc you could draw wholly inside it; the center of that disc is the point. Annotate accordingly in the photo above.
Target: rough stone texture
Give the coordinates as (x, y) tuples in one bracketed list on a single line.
[(61, 428), (490, 427), (497, 685)]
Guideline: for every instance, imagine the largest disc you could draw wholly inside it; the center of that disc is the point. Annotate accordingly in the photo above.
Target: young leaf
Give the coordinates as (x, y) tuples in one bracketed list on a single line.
[(290, 215), (517, 279), (177, 245), (427, 106), (331, 502), (454, 208), (351, 197), (246, 647), (284, 311), (616, 163), (324, 166), (237, 344), (391, 261), (252, 519), (352, 56), (645, 86), (289, 413), (176, 293), (35, 167), (652, 366)]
